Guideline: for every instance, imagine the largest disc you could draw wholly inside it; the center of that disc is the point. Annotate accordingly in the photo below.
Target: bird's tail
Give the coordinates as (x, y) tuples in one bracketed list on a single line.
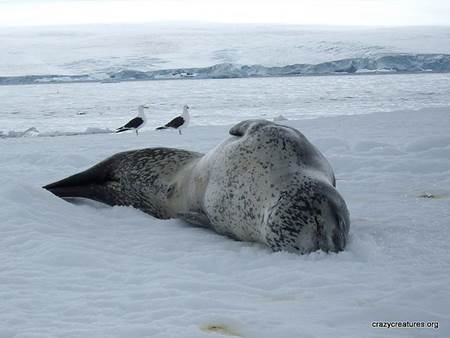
[(159, 128), (121, 129)]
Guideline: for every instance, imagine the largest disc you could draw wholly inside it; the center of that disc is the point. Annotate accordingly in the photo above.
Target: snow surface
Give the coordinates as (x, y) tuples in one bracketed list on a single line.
[(87, 270)]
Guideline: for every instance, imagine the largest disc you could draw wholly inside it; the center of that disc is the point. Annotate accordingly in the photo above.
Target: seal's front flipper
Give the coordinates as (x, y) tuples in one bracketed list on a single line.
[(196, 218)]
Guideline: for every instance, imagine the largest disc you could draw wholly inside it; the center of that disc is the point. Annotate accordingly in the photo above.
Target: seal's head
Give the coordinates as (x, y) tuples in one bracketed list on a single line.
[(307, 217), (275, 181)]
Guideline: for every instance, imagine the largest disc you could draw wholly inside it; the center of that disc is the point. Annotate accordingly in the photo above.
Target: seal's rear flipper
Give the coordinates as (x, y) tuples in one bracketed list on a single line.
[(95, 192), (93, 183)]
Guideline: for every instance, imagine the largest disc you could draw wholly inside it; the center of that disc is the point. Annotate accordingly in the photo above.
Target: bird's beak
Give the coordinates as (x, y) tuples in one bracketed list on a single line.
[(146, 107)]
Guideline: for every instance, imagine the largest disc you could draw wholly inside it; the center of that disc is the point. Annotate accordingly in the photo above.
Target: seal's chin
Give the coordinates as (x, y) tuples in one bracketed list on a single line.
[(320, 234)]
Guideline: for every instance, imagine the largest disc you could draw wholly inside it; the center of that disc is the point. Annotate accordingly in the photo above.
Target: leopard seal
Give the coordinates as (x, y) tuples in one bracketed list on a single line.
[(266, 183)]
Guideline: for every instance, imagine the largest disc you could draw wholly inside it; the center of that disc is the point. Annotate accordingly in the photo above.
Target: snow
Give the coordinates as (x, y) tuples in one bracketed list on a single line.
[(89, 270), (32, 131)]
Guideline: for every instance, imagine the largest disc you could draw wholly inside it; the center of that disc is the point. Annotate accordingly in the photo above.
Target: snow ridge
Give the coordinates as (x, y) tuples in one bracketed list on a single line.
[(33, 132), (382, 63)]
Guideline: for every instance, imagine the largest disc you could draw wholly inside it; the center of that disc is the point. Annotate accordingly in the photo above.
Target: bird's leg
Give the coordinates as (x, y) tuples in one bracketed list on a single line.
[(179, 131), (137, 133)]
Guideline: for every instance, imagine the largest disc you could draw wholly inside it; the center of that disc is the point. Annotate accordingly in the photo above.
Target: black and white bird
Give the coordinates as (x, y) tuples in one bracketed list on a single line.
[(136, 123), (179, 122)]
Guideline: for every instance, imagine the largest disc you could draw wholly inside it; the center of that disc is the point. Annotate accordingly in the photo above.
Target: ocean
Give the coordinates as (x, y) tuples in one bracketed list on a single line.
[(58, 109)]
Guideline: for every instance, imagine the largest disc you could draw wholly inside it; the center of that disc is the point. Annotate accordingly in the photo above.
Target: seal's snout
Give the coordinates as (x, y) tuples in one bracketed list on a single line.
[(340, 238), (335, 228)]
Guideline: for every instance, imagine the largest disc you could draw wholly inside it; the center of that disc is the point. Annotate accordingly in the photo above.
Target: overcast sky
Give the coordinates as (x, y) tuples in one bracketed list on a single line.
[(301, 12)]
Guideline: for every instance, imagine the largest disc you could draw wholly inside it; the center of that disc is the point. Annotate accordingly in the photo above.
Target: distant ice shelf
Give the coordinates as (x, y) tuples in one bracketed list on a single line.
[(386, 63)]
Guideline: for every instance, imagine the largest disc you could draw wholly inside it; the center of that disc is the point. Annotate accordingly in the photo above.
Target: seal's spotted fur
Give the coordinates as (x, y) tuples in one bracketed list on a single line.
[(266, 184)]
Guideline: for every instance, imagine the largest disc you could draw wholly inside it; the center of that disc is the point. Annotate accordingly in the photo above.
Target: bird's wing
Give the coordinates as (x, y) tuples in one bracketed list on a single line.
[(175, 123), (134, 123)]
